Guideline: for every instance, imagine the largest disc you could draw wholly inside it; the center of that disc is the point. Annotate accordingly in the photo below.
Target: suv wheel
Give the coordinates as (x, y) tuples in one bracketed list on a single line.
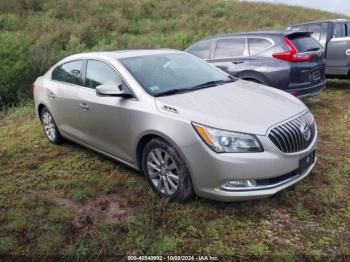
[(166, 171), (50, 127)]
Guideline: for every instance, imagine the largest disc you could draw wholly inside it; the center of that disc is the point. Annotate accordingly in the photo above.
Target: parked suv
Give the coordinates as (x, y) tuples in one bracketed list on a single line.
[(334, 36), (291, 61), (189, 126)]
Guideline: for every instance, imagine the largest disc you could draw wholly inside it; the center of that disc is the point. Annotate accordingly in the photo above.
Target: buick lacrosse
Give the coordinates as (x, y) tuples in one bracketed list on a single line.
[(188, 126)]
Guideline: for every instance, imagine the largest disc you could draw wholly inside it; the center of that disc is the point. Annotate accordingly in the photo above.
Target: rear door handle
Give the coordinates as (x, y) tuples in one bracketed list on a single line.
[(84, 106), (237, 62)]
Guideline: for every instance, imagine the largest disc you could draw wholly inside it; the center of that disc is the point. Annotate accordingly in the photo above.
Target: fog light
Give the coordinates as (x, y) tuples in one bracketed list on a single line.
[(240, 183)]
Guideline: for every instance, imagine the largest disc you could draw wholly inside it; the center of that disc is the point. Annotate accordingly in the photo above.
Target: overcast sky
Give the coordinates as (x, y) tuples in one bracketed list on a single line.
[(336, 6)]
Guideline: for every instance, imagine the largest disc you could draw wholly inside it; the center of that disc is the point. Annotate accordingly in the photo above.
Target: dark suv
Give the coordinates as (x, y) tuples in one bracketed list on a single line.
[(291, 61), (334, 35)]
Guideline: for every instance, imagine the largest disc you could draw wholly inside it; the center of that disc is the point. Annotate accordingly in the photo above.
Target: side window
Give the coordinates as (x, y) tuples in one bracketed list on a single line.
[(201, 50), (229, 47), (69, 72), (99, 73), (339, 30), (319, 32), (348, 29), (257, 45)]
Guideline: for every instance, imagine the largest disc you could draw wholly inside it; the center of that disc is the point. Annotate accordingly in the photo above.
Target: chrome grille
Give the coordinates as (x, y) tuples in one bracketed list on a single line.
[(289, 136)]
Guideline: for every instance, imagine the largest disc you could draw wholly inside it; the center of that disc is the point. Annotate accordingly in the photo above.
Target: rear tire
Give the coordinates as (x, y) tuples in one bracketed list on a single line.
[(50, 128), (166, 171)]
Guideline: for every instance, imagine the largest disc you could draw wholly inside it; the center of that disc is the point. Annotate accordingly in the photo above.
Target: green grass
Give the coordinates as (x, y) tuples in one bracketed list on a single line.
[(68, 200)]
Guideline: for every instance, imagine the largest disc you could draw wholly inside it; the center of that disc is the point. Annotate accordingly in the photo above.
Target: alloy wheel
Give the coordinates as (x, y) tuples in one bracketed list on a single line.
[(49, 126), (163, 171)]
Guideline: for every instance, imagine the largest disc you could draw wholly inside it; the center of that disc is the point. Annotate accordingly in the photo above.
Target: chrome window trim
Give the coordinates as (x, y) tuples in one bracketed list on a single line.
[(97, 59)]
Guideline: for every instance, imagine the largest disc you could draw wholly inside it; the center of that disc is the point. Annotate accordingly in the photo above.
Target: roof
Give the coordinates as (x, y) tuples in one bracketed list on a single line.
[(124, 53), (260, 33), (323, 21)]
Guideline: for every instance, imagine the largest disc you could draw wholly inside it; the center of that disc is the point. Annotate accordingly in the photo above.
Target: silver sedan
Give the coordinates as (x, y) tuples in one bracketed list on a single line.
[(188, 126)]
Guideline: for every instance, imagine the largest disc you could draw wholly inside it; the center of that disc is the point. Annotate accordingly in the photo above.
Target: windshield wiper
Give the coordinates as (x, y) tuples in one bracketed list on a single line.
[(173, 91), (212, 83), (204, 85)]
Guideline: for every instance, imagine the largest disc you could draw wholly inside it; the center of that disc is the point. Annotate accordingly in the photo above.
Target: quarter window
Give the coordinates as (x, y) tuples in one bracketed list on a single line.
[(69, 72), (99, 73), (257, 45), (229, 47), (201, 50)]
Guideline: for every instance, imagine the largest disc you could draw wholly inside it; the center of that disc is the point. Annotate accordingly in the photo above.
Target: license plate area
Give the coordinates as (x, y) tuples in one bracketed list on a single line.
[(316, 75), (306, 162)]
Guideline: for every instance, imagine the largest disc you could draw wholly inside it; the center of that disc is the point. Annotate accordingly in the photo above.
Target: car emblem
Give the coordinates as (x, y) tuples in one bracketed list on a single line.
[(305, 130)]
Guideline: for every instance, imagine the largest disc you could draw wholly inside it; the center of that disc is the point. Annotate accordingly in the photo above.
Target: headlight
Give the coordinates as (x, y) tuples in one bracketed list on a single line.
[(222, 141)]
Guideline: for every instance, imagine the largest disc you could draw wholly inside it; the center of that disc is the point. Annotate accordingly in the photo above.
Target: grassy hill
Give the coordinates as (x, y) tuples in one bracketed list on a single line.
[(69, 201), (34, 34)]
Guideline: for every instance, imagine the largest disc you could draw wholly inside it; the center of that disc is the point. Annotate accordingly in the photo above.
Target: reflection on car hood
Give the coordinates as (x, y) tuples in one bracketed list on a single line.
[(239, 106)]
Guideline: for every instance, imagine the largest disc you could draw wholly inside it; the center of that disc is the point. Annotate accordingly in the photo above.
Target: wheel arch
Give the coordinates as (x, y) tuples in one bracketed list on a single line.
[(40, 107), (145, 137), (253, 75)]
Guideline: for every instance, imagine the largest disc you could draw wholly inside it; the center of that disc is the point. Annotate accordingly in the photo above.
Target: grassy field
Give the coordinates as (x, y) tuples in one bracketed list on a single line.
[(67, 200)]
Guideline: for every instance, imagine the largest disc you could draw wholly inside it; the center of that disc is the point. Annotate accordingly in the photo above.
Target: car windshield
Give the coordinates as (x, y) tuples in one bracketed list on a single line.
[(167, 74)]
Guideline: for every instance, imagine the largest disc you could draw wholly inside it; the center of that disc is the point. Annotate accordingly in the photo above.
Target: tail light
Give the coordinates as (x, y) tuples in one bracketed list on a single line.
[(292, 55)]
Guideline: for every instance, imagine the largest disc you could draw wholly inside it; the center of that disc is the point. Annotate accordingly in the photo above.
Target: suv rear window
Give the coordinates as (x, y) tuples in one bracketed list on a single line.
[(304, 43)]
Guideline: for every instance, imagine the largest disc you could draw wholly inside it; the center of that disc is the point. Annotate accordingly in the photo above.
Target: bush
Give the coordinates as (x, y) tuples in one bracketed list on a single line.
[(15, 70)]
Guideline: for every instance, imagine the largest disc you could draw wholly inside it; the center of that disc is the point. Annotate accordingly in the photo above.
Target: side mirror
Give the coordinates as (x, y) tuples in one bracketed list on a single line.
[(112, 90)]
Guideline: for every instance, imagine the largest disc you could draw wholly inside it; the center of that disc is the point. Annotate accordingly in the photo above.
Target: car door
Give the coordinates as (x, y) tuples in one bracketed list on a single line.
[(231, 55), (106, 118), (338, 51), (63, 93)]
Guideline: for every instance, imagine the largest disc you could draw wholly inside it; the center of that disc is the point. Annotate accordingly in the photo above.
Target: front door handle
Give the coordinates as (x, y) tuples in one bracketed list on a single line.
[(84, 106), (237, 62)]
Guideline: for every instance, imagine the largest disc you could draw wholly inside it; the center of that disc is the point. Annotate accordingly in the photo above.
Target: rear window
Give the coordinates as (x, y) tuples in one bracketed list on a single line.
[(304, 43), (68, 72)]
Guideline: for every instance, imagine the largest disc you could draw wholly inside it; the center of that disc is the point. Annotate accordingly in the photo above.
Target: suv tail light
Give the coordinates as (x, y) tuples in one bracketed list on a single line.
[(292, 55)]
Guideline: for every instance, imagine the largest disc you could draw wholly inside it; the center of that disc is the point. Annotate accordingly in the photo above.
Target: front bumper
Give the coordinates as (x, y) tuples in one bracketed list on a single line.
[(210, 171)]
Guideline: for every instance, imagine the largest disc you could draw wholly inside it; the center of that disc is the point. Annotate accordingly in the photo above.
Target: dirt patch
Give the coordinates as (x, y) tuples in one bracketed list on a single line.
[(110, 208)]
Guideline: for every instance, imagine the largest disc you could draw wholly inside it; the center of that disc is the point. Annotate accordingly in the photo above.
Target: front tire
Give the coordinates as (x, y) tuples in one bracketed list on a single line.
[(50, 128), (166, 171)]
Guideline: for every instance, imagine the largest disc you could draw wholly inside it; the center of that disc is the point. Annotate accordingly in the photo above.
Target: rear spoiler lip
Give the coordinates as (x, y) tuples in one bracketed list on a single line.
[(292, 33)]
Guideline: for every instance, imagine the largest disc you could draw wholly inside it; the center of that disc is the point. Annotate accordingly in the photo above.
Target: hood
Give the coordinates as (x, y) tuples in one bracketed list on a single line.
[(240, 106)]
